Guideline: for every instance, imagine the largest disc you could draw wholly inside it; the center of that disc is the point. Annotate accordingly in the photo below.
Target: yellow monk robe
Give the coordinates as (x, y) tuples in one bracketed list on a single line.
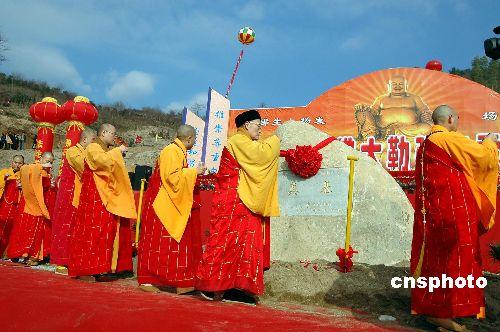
[(31, 182), (258, 179), (76, 160), (9, 199), (4, 179), (480, 165), (174, 201), (112, 180), (7, 175), (105, 207), (28, 237), (246, 190), (170, 240)]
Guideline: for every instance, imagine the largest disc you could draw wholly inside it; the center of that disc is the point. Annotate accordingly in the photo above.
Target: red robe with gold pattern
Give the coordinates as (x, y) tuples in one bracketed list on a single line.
[(233, 257), (93, 234), (162, 260), (8, 210), (451, 236), (63, 216), (30, 235)]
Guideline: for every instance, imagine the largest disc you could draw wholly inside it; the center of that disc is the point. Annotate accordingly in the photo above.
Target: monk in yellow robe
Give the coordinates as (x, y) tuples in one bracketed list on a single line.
[(66, 204), (101, 241), (245, 192), (456, 187), (170, 245), (10, 194), (29, 237)]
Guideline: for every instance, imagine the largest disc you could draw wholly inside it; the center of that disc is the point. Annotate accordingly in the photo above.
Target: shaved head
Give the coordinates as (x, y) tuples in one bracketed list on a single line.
[(47, 157), (106, 127), (18, 158), (185, 131), (48, 154), (187, 135), (107, 133), (445, 116), (17, 162), (88, 135)]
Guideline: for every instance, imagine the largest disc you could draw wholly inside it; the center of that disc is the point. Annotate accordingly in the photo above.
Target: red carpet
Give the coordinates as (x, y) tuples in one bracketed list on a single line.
[(34, 300)]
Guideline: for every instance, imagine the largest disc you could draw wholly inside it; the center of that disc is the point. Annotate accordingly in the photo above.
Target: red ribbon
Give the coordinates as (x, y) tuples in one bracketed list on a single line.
[(345, 259), (317, 147), (305, 160)]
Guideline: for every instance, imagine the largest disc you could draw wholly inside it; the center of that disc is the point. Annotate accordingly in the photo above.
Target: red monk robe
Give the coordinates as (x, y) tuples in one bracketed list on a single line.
[(459, 177), (10, 194), (101, 238), (66, 204), (170, 241), (30, 232), (246, 190)]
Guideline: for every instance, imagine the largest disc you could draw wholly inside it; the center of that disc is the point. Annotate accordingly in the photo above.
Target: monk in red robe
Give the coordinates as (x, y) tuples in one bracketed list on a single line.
[(456, 181), (170, 240), (67, 199), (31, 230), (101, 241), (10, 194), (246, 191)]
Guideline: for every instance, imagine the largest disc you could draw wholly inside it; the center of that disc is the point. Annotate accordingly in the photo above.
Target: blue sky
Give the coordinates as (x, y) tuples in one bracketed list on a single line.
[(167, 53)]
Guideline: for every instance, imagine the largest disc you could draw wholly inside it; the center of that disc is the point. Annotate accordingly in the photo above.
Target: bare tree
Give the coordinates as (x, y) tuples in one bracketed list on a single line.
[(3, 48), (198, 109)]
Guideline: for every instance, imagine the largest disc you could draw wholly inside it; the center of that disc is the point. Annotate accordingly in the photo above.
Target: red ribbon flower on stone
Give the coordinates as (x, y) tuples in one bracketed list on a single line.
[(305, 160)]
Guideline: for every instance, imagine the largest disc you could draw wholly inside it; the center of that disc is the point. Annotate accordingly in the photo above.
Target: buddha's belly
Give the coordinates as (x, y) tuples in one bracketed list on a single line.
[(397, 116)]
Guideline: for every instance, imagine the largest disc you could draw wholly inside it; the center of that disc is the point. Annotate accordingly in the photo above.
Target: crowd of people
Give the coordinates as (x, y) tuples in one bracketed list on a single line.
[(81, 222), (9, 141)]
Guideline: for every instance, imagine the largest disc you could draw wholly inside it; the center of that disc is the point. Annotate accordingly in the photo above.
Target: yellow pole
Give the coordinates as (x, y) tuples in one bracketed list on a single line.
[(351, 159), (139, 213)]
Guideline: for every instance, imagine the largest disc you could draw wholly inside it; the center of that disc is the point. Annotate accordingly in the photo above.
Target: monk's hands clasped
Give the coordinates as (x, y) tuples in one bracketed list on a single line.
[(123, 148), (201, 169)]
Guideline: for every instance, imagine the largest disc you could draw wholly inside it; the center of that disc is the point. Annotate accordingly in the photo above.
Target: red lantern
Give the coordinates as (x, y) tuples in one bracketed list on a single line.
[(47, 113), (434, 65), (79, 113)]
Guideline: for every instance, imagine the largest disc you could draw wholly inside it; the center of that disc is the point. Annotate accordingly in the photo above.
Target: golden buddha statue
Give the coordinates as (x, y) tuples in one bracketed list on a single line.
[(397, 112)]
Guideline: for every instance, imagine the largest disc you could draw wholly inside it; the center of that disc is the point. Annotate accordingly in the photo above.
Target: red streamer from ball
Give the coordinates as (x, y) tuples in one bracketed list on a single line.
[(234, 73)]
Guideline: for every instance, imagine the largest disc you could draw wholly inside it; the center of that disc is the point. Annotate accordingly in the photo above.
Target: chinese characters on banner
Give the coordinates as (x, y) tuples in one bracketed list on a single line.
[(189, 118), (277, 121), (216, 130)]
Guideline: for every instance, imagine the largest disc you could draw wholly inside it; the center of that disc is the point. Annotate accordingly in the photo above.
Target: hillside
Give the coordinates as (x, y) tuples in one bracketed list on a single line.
[(17, 94)]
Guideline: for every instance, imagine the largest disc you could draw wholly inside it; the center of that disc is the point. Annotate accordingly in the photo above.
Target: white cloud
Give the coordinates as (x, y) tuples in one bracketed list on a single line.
[(197, 99), (252, 11), (351, 44), (45, 64), (461, 6), (131, 86), (64, 24), (351, 9)]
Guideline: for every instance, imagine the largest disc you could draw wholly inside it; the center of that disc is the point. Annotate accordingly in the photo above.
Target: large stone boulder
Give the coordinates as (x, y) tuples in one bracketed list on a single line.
[(313, 211)]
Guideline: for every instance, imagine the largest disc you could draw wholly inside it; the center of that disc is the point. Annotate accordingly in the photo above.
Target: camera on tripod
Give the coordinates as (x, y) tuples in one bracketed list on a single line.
[(492, 46)]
